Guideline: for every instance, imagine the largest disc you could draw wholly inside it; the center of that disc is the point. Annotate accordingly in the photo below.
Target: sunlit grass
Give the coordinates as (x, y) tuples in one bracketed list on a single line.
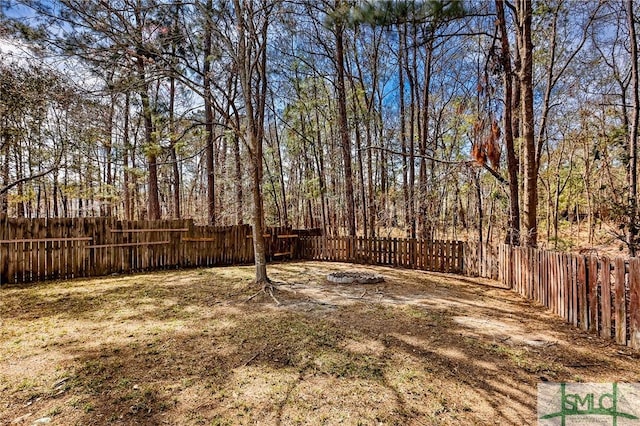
[(188, 347)]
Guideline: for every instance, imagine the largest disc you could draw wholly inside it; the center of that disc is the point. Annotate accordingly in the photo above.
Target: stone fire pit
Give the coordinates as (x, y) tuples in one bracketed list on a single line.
[(354, 277)]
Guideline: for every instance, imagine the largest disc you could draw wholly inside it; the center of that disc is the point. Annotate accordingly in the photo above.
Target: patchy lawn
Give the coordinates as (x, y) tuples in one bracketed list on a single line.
[(189, 348)]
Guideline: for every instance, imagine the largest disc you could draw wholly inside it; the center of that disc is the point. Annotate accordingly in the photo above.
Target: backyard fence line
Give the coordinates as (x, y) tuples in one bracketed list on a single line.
[(436, 256), (44, 249), (596, 294)]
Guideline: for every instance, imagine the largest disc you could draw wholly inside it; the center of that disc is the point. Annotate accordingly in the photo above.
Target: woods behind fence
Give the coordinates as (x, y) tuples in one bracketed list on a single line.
[(39, 249)]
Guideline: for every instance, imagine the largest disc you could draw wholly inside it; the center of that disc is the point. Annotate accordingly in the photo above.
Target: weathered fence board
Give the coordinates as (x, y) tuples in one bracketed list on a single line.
[(594, 321), (605, 297), (634, 302), (619, 302), (583, 311)]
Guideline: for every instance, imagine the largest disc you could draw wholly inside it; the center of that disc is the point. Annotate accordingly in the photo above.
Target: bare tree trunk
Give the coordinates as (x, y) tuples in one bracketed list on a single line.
[(238, 180), (632, 237), (426, 225), (411, 136), (106, 204), (251, 62), (154, 200), (588, 187), (345, 140), (4, 199), (319, 158), (530, 152), (403, 129), (278, 147), (147, 113), (513, 232), (208, 116), (172, 133), (358, 136), (128, 208)]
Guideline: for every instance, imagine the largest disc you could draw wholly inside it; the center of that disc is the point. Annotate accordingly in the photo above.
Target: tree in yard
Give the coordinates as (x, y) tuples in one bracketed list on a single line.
[(513, 231), (524, 10), (252, 24), (338, 28), (633, 242), (208, 109)]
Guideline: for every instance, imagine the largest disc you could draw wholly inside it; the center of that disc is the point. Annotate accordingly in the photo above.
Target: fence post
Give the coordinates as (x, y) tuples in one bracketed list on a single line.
[(634, 302)]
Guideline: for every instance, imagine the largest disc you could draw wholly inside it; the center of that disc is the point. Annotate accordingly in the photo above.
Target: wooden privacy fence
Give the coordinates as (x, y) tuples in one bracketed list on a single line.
[(601, 295), (43, 249), (439, 256)]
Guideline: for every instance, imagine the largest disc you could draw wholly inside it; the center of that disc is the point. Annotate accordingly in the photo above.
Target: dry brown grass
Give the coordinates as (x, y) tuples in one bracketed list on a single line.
[(186, 348)]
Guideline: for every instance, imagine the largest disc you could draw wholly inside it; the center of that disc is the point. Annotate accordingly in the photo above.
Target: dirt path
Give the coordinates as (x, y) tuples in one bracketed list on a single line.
[(188, 348)]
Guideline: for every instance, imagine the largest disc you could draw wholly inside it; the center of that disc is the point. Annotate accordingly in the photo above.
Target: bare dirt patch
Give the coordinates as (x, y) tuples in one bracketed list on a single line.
[(187, 348), (358, 277)]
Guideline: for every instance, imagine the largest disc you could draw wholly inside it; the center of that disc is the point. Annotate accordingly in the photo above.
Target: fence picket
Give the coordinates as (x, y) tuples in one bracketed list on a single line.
[(634, 302), (619, 303), (592, 279), (605, 297), (581, 282), (574, 290)]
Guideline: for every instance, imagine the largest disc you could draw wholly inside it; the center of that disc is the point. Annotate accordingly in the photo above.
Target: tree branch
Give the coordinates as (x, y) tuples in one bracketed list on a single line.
[(426, 157), (495, 174), (28, 178)]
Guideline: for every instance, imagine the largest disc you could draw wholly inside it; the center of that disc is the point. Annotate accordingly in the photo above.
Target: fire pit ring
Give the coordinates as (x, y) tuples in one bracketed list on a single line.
[(354, 277)]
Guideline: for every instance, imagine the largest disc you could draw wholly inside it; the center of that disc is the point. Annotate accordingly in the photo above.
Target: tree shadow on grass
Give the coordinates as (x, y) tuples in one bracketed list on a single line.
[(222, 360)]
